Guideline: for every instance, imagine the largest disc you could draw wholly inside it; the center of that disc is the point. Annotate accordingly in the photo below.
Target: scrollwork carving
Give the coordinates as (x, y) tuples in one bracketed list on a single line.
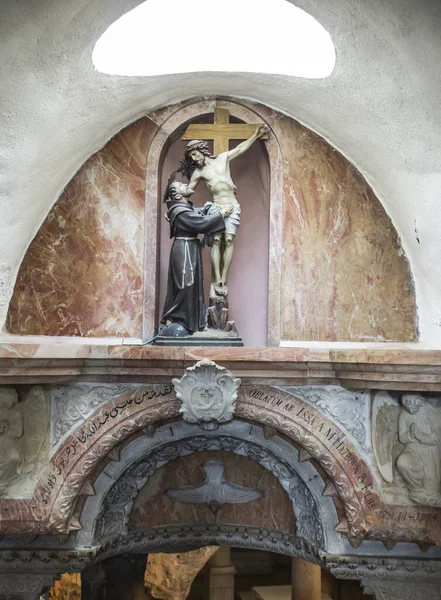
[(208, 393), (349, 409), (74, 403)]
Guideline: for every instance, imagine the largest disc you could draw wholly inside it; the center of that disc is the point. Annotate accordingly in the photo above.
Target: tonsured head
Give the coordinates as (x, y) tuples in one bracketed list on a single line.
[(179, 190)]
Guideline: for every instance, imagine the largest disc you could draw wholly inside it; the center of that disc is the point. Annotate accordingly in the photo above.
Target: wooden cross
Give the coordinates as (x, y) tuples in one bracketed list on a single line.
[(221, 132)]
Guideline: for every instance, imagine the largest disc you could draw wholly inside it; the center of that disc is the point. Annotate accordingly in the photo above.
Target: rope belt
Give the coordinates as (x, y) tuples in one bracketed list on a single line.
[(187, 255)]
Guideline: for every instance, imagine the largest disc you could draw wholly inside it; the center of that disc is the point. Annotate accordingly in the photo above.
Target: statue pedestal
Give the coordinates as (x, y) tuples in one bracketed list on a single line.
[(209, 337)]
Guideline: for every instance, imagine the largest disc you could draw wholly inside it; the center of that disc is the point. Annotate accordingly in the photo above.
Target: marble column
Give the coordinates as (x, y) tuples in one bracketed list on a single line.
[(306, 580), (25, 586), (220, 575), (402, 590)]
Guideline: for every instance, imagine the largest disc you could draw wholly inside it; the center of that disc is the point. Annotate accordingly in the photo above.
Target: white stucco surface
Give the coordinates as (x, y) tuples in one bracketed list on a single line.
[(381, 107)]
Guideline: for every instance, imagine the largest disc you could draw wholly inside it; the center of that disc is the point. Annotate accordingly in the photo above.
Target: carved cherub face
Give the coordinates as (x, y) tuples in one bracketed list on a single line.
[(197, 158), (411, 402)]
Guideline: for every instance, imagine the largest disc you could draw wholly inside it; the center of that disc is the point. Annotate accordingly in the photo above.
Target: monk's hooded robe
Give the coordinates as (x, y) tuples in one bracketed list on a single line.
[(185, 303)]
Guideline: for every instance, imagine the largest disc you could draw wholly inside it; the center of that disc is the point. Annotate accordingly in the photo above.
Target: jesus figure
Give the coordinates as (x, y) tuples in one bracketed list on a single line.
[(214, 171)]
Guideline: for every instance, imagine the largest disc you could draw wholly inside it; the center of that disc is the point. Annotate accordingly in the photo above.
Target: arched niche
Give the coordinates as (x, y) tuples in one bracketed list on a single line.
[(255, 273), (248, 277), (336, 269)]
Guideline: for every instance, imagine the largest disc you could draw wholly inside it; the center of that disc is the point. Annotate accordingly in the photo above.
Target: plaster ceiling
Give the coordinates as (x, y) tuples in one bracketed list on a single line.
[(295, 43), (380, 107)]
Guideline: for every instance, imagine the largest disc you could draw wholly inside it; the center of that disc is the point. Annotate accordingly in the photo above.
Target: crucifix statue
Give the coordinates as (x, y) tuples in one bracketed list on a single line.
[(214, 170)]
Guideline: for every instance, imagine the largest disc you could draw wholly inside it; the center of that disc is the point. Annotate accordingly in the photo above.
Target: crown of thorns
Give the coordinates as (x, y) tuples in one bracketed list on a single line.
[(200, 145)]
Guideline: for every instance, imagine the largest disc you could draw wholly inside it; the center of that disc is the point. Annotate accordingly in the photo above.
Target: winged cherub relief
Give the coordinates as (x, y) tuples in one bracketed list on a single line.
[(407, 444), (24, 436), (11, 430)]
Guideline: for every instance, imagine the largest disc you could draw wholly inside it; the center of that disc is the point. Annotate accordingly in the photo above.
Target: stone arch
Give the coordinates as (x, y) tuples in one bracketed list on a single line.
[(169, 122), (78, 458), (104, 516)]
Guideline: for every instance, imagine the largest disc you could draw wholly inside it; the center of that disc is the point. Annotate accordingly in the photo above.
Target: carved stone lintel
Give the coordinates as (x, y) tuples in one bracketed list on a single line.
[(24, 586), (208, 393), (181, 538), (401, 590)]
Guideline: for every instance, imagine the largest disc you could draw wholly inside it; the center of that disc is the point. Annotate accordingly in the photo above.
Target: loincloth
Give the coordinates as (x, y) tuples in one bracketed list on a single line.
[(232, 222)]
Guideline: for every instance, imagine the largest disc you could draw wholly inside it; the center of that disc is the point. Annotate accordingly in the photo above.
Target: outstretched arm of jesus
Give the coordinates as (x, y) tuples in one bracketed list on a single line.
[(243, 146)]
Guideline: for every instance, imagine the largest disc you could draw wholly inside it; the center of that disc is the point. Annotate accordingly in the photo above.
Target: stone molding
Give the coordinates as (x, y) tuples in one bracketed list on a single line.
[(379, 569), (179, 538), (409, 590), (398, 367), (44, 561), (114, 517), (347, 408), (24, 585)]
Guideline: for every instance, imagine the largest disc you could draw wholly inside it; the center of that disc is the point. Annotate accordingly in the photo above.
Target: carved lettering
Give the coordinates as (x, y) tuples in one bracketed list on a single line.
[(333, 439)]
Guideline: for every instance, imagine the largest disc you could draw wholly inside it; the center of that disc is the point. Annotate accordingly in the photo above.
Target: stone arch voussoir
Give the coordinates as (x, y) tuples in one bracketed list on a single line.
[(78, 457)]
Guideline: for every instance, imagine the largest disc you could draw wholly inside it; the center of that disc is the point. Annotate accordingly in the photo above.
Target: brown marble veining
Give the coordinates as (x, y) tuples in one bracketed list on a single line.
[(83, 272), (335, 268), (153, 507), (344, 273)]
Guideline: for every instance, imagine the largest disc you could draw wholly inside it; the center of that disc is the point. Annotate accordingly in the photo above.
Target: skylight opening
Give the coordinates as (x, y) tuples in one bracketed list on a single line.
[(165, 37)]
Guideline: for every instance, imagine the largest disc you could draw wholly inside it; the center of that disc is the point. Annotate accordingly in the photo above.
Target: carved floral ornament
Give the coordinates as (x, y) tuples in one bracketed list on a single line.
[(208, 394)]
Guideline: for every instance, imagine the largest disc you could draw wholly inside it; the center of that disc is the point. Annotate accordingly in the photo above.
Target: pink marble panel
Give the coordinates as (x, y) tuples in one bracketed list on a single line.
[(344, 273), (83, 272), (335, 270)]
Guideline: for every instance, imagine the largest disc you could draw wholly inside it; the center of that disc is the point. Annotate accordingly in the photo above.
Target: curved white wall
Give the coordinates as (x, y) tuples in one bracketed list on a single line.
[(380, 107)]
